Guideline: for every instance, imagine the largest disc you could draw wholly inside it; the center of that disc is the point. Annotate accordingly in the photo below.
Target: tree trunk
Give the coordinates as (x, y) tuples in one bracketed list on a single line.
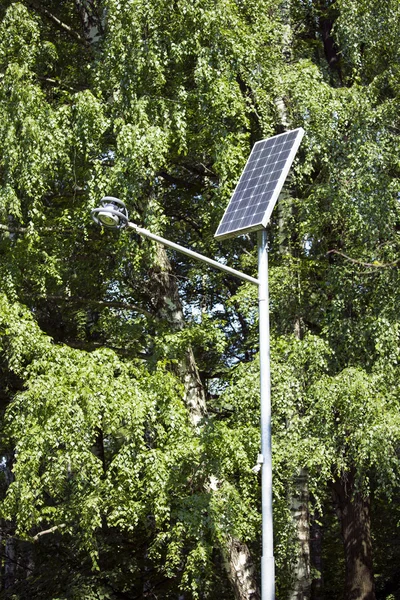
[(328, 13), (167, 304), (316, 558), (2, 553), (353, 510), (299, 509), (9, 563), (299, 500), (168, 307), (241, 572)]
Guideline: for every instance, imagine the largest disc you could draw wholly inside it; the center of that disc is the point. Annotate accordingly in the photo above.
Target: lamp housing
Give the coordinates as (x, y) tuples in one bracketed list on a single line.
[(111, 214)]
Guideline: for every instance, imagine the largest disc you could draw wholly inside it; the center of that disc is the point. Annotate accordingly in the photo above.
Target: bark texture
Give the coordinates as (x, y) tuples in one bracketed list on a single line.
[(299, 508), (168, 307), (241, 571), (353, 510)]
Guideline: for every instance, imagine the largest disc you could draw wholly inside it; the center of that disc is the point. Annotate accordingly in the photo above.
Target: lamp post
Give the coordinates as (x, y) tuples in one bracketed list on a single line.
[(112, 214)]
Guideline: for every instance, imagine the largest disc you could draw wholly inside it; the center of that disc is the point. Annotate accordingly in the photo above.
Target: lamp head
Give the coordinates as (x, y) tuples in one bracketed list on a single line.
[(111, 213)]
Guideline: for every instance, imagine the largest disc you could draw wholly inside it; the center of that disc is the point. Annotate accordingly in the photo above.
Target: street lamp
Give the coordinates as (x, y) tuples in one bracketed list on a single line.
[(111, 214), (249, 209)]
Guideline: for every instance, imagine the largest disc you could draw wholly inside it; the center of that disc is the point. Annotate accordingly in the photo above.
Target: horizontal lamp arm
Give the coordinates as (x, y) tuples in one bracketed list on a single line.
[(192, 254)]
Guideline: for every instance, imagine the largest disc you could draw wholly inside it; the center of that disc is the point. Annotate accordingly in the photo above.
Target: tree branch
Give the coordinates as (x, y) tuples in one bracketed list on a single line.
[(376, 264), (46, 531), (60, 24), (106, 303), (90, 346), (203, 171), (11, 229), (56, 83), (178, 182)]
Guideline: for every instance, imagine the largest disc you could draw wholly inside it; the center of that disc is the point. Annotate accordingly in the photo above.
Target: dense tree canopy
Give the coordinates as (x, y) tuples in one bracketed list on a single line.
[(129, 374)]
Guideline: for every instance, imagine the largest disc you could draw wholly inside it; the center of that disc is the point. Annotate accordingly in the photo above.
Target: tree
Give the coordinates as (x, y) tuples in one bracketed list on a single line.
[(159, 104), (346, 237), (131, 137)]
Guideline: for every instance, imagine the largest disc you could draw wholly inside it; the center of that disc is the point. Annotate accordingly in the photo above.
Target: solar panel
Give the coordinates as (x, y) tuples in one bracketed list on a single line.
[(260, 184)]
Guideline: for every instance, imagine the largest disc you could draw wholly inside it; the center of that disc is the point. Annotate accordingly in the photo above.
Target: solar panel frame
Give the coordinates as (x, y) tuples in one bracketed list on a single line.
[(252, 205)]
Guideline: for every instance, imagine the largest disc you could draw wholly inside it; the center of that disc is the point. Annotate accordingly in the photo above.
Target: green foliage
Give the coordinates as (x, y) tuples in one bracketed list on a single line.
[(159, 104)]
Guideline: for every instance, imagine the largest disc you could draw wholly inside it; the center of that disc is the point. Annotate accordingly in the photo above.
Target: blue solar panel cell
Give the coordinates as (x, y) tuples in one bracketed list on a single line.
[(260, 184)]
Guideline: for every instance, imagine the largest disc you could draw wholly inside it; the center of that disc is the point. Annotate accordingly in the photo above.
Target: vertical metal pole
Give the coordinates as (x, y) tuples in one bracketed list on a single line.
[(267, 559)]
